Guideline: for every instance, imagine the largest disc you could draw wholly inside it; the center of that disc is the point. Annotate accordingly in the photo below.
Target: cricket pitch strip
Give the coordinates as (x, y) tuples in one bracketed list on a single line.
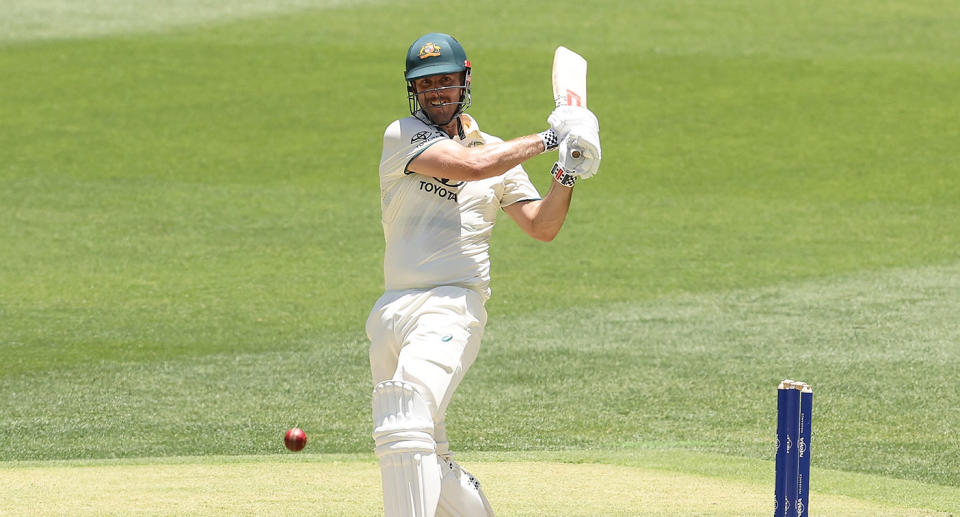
[(558, 484)]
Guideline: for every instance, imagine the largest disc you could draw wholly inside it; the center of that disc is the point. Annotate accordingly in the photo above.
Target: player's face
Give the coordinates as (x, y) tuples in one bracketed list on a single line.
[(439, 95)]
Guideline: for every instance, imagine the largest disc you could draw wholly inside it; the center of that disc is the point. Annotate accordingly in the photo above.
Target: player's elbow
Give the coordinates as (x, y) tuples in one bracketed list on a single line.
[(544, 234)]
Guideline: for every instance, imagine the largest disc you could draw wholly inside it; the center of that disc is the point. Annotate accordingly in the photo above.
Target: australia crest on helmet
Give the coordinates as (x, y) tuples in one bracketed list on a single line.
[(429, 49)]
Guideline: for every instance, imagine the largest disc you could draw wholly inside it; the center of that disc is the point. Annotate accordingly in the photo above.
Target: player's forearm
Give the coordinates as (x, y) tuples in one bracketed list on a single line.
[(476, 163), (494, 159), (543, 219), (553, 211)]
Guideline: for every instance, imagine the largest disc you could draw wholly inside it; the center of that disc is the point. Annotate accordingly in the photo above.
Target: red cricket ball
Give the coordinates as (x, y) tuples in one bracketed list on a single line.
[(295, 439)]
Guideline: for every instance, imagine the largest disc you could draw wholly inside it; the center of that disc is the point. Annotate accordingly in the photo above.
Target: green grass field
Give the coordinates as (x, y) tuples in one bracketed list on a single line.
[(190, 243)]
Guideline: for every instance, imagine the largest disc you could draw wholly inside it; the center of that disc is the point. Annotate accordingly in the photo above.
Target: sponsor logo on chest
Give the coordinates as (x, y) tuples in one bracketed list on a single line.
[(422, 137), (447, 189)]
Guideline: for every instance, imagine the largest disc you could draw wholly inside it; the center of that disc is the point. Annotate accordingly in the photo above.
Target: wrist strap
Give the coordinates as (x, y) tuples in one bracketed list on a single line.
[(562, 177), (550, 139)]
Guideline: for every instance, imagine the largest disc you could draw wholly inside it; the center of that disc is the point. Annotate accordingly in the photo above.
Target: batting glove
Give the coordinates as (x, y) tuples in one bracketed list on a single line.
[(566, 118), (579, 157), (550, 140)]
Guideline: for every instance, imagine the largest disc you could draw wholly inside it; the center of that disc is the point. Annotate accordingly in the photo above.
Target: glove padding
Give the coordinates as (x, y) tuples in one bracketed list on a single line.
[(567, 118), (580, 153)]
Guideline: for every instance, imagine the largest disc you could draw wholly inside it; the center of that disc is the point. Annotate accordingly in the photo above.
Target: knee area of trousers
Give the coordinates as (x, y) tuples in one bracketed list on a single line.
[(402, 421)]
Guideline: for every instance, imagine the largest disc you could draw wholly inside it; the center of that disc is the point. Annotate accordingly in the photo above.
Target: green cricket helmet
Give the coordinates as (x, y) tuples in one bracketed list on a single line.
[(433, 54)]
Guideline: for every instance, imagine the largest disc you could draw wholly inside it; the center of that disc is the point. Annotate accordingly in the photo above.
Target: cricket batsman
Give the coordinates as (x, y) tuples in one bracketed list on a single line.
[(442, 183)]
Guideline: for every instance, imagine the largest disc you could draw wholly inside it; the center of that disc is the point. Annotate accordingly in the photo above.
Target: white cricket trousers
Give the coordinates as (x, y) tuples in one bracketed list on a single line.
[(428, 338)]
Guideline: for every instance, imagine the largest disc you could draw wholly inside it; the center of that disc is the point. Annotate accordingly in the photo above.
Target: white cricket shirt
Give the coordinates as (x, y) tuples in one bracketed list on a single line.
[(437, 231)]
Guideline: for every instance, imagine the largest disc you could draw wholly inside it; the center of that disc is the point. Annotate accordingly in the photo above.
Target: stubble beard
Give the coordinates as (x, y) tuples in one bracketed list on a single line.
[(443, 116)]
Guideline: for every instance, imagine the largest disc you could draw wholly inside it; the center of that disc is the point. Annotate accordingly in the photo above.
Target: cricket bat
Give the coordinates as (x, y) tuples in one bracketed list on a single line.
[(569, 81), (569, 78)]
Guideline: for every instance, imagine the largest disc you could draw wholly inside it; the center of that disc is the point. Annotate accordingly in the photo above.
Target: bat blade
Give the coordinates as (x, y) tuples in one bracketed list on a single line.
[(569, 82), (569, 78)]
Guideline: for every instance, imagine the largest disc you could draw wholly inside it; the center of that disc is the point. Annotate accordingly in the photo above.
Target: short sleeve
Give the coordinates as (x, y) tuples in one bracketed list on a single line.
[(403, 141), (517, 187)]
